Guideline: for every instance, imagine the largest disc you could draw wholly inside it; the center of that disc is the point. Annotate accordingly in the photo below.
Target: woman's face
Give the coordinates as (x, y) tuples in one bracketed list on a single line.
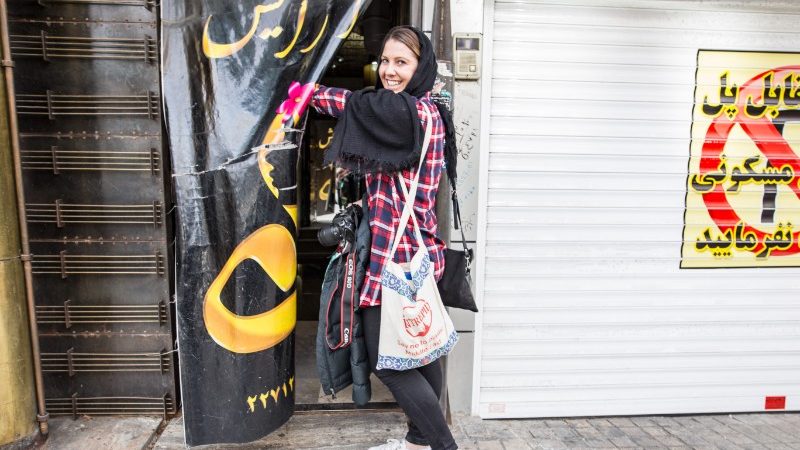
[(398, 64)]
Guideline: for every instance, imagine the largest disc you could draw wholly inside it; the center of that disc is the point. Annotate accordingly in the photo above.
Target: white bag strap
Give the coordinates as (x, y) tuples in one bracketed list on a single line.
[(408, 210), (417, 232)]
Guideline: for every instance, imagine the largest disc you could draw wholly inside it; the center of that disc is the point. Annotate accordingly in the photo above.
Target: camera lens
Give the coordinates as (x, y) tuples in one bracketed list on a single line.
[(329, 236)]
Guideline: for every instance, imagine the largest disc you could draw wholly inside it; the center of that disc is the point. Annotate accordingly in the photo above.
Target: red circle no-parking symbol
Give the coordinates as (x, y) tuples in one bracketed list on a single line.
[(763, 106)]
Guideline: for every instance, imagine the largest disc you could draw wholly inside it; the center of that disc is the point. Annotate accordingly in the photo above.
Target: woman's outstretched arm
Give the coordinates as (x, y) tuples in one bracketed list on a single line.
[(330, 101)]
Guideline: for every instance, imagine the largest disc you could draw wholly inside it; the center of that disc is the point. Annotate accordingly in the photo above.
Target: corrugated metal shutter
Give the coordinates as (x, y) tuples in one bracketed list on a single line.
[(585, 309)]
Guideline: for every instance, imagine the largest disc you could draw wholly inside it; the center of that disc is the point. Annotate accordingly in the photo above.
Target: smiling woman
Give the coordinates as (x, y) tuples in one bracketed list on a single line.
[(380, 135)]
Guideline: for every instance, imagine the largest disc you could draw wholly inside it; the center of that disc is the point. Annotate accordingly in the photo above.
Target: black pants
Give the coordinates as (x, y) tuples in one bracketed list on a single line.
[(416, 391)]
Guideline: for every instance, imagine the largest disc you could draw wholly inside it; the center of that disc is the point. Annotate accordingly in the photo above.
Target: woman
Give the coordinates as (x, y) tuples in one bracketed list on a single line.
[(379, 134)]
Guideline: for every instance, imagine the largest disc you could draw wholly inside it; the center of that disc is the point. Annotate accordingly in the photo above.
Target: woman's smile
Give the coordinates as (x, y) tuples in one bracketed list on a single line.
[(397, 66)]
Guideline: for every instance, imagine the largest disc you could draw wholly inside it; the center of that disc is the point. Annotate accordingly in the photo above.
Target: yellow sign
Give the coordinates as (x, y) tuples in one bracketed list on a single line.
[(743, 189)]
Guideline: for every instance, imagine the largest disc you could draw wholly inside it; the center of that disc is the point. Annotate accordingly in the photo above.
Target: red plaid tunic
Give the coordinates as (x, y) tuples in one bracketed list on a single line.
[(385, 201)]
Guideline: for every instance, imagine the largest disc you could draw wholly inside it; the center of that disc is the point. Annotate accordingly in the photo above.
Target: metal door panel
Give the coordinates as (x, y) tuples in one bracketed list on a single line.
[(72, 111), (135, 272), (88, 103), (89, 364), (87, 314), (95, 187)]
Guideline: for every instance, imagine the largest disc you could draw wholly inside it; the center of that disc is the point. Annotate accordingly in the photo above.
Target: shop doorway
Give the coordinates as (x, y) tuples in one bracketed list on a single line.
[(321, 194)]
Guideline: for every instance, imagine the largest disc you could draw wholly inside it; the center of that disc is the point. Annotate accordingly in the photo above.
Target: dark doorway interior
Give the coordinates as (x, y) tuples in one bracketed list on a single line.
[(321, 195)]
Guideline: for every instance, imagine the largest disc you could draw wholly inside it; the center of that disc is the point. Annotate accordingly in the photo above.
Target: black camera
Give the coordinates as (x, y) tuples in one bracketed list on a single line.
[(342, 228)]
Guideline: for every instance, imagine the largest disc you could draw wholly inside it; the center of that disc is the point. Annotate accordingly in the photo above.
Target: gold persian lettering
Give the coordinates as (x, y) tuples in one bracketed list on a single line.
[(319, 36), (216, 50), (301, 17), (324, 191), (273, 248), (346, 33), (271, 32), (265, 396), (324, 145), (251, 403)]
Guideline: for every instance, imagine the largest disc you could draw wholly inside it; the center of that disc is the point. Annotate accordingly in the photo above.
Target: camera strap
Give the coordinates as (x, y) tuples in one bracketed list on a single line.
[(341, 310)]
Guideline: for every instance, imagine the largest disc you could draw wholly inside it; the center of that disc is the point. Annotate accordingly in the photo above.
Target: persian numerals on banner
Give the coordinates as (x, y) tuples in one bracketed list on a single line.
[(743, 189)]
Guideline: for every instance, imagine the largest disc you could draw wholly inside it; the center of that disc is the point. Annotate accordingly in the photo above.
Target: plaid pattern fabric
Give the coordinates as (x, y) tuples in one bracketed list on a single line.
[(385, 201)]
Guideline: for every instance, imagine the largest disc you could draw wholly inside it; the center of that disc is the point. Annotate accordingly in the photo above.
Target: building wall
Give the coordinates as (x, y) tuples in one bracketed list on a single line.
[(466, 17), (587, 111), (16, 365)]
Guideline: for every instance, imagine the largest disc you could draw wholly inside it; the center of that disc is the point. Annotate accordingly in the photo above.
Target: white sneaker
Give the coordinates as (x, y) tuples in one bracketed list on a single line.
[(394, 444)]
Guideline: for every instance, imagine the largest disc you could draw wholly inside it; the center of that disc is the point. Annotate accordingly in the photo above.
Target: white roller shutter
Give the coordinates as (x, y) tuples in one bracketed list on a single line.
[(586, 139)]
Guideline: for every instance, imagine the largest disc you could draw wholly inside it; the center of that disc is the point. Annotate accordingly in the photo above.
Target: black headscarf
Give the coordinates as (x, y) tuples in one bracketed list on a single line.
[(379, 131)]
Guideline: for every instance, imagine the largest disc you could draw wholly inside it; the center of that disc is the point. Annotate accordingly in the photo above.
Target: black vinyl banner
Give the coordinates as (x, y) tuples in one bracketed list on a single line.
[(237, 79)]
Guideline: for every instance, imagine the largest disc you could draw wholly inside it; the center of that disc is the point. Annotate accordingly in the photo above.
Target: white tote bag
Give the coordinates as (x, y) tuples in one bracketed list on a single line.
[(415, 327)]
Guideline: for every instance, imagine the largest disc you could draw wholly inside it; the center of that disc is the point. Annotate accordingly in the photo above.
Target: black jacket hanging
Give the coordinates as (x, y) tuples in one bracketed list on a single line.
[(341, 351)]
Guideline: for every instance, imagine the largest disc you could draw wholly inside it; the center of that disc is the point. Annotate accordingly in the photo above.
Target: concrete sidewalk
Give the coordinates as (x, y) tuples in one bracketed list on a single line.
[(357, 430)]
